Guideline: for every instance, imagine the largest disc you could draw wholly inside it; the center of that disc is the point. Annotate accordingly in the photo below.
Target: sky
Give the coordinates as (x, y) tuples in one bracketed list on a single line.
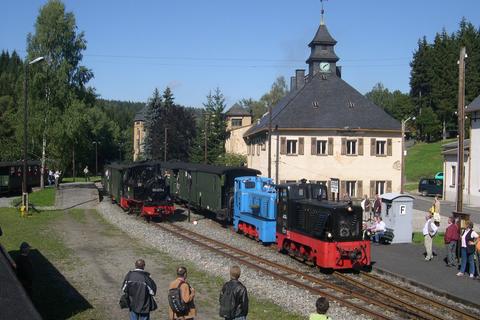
[(241, 47)]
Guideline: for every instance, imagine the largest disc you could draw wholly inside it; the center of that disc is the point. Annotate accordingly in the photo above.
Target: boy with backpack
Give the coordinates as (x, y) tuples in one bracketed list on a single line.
[(322, 308), (180, 297)]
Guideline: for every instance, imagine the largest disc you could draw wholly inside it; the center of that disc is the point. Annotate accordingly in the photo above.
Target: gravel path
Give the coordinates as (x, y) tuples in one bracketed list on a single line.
[(291, 298), (76, 195)]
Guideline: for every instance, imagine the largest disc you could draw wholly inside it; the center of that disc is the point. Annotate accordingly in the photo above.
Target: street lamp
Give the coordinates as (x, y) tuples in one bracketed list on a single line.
[(404, 122), (96, 143), (25, 137)]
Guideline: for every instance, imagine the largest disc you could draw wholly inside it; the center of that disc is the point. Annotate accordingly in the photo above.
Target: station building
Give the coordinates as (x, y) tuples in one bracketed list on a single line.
[(471, 187), (325, 131), (138, 133), (239, 120)]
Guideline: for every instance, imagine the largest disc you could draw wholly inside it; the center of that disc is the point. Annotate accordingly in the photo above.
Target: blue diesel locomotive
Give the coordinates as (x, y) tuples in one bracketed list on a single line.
[(254, 208)]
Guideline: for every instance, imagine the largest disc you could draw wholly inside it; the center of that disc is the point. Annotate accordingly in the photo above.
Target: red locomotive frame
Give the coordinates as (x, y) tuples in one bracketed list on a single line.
[(328, 255), (146, 211)]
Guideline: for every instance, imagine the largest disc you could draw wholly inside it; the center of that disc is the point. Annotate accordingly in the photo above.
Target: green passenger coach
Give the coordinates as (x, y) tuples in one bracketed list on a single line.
[(205, 187)]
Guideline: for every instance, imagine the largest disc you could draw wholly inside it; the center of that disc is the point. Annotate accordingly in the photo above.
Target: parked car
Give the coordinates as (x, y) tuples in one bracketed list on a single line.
[(439, 175), (428, 187)]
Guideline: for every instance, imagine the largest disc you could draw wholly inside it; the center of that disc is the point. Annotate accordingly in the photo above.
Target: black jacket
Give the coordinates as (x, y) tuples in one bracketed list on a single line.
[(233, 300), (140, 289)]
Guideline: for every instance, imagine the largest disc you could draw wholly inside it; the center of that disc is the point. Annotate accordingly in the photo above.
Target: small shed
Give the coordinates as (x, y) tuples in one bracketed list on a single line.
[(397, 213)]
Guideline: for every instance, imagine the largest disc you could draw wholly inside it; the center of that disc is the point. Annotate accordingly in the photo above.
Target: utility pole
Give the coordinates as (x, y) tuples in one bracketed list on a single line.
[(461, 127), (205, 139), (96, 156), (269, 140), (404, 122), (402, 183), (278, 154), (165, 146)]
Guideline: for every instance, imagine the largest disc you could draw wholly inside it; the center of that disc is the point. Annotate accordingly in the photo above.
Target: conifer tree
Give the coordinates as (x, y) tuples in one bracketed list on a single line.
[(213, 128), (153, 143)]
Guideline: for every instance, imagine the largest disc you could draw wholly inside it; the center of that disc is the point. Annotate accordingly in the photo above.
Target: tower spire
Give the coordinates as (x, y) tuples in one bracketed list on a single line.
[(322, 21)]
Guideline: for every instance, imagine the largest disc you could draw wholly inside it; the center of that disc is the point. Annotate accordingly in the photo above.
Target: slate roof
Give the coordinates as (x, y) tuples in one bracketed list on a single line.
[(474, 105), (322, 37), (140, 115), (238, 110), (327, 101)]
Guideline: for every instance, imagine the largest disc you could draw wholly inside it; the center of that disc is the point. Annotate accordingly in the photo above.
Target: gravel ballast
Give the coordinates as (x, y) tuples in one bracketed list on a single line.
[(262, 286)]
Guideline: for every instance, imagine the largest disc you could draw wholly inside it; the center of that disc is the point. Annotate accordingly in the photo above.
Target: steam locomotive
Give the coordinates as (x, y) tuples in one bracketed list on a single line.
[(302, 222), (139, 188)]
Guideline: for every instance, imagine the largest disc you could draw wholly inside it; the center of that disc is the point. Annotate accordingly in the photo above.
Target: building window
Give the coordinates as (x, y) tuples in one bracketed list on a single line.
[(454, 176), (258, 149), (291, 146), (236, 122), (264, 146), (351, 147), (381, 147), (321, 147), (379, 187), (351, 188)]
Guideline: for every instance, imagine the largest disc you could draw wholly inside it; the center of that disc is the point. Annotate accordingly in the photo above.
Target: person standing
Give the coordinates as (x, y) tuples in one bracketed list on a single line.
[(57, 179), (377, 206), (24, 269), (86, 173), (187, 294), (436, 209), (234, 298), (367, 208), (451, 238), (429, 231), (322, 306), (468, 250), (140, 289)]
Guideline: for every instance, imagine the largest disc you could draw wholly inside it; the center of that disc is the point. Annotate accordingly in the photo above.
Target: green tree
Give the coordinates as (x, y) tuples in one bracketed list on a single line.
[(153, 143), (396, 103), (277, 91), (232, 160), (61, 82), (212, 127), (434, 75)]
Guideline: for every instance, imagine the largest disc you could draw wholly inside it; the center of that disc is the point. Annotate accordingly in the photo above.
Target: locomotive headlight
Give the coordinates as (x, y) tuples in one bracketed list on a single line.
[(329, 235)]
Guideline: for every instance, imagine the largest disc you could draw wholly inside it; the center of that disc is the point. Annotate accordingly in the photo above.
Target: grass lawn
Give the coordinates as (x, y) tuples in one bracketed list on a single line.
[(41, 198), (437, 240), (424, 160), (55, 298)]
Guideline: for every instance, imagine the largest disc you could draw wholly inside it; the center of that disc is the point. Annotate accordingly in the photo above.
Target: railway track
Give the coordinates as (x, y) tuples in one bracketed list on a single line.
[(382, 301)]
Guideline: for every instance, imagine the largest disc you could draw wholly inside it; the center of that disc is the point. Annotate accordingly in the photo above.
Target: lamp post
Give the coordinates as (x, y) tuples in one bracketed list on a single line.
[(25, 132), (402, 183), (96, 143)]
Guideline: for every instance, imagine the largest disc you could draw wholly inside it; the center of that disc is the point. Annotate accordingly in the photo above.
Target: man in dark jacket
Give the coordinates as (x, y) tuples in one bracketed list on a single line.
[(234, 298), (25, 268), (140, 289)]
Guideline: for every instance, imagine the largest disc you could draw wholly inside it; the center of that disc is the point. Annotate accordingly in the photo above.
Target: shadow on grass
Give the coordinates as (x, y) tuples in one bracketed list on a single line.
[(53, 296)]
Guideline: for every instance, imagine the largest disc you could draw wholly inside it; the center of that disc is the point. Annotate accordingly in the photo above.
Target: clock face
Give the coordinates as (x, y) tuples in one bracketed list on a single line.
[(324, 66)]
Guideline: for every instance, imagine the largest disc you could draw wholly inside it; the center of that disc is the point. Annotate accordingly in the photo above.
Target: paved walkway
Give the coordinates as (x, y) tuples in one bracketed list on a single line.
[(76, 195), (406, 261)]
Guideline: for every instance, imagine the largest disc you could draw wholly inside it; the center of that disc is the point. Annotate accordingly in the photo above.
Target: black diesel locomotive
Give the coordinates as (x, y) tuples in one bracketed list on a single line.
[(321, 232)]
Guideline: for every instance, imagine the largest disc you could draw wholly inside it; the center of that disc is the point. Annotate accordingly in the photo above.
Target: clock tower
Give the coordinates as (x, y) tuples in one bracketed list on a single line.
[(322, 57)]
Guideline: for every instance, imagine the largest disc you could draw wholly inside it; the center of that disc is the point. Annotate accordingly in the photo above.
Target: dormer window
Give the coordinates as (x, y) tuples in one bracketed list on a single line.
[(236, 122)]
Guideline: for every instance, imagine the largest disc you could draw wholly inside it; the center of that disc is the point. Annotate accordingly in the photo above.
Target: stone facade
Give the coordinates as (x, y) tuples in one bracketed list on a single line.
[(239, 120), (321, 155)]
